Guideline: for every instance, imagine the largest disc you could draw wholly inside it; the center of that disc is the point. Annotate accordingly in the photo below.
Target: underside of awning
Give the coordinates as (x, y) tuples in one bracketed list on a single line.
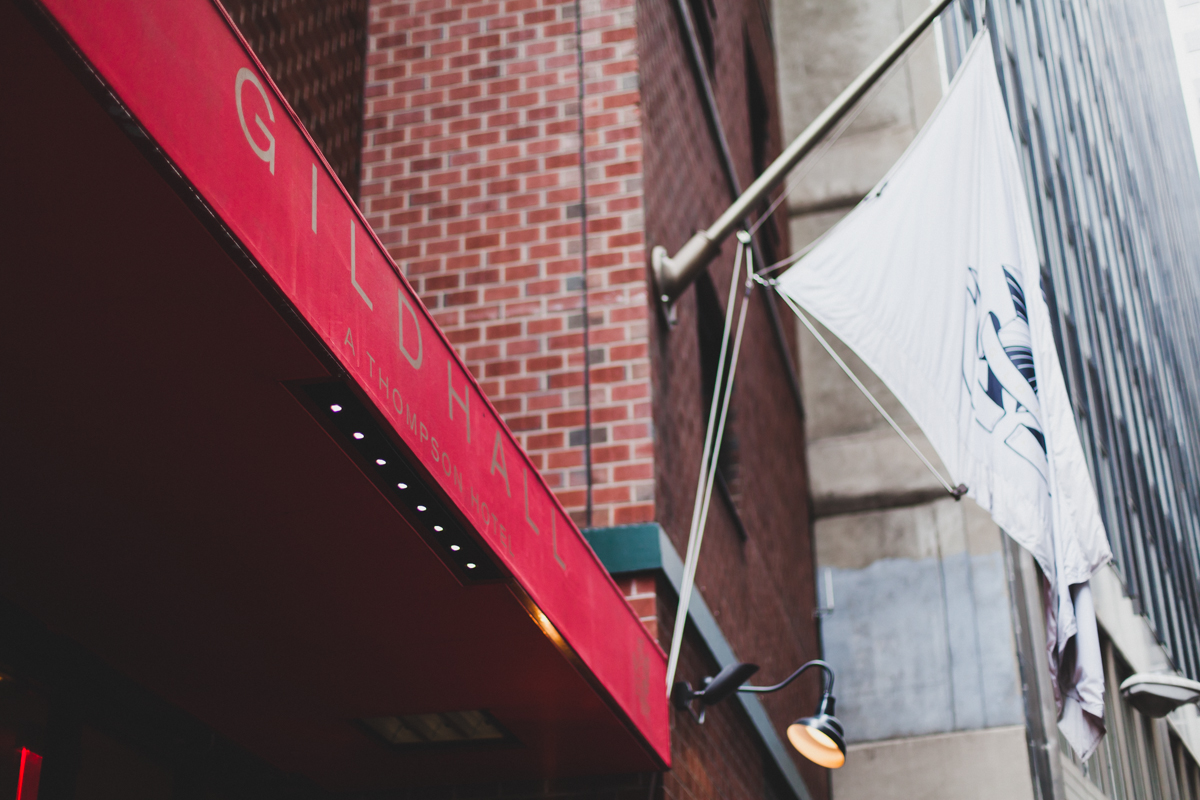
[(182, 500)]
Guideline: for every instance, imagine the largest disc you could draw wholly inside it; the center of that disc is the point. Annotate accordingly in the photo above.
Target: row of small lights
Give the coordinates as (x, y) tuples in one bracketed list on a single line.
[(336, 408), (355, 426)]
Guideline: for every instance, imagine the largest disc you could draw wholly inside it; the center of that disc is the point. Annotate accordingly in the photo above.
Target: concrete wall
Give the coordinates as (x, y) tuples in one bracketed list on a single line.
[(1133, 637), (976, 765), (1184, 19), (828, 45), (921, 632)]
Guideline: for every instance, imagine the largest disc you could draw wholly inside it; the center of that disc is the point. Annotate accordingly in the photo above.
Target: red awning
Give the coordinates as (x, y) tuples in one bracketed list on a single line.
[(188, 294)]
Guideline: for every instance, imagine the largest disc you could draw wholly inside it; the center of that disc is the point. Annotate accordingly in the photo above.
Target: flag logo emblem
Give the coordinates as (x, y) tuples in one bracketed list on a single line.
[(999, 370)]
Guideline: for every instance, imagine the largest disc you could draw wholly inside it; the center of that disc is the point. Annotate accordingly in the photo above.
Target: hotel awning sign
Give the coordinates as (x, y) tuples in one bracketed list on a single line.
[(189, 81)]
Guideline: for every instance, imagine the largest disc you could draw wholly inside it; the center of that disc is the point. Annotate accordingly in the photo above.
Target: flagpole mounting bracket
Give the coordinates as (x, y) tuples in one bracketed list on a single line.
[(672, 274)]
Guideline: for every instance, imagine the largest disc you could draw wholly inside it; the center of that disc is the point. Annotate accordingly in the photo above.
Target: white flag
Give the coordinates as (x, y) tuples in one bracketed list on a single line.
[(934, 281)]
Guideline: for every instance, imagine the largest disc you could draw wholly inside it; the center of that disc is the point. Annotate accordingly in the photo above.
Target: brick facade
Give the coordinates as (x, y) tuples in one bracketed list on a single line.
[(755, 572), (471, 178), (315, 52)]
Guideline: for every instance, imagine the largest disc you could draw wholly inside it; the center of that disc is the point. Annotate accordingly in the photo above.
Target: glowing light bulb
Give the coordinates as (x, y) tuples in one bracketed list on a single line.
[(335, 408)]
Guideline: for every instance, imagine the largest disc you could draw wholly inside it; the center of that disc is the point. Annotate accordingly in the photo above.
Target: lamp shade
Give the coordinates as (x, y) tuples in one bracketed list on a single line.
[(1159, 695), (820, 738)]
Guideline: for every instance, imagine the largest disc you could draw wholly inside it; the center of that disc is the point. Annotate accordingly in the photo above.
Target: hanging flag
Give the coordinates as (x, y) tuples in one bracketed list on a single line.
[(934, 281)]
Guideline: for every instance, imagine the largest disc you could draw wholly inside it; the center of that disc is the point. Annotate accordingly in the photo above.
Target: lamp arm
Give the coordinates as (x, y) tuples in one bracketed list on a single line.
[(828, 688)]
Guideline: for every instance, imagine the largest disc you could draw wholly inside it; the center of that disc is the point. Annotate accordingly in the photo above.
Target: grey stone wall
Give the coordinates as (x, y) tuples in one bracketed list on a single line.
[(823, 46), (921, 632)]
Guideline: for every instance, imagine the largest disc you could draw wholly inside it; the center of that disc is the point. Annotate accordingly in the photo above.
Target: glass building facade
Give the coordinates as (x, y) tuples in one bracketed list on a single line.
[(1097, 111)]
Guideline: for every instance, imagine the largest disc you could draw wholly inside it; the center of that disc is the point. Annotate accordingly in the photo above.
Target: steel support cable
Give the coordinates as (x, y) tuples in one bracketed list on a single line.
[(796, 256), (725, 400), (955, 492), (708, 459), (717, 414)]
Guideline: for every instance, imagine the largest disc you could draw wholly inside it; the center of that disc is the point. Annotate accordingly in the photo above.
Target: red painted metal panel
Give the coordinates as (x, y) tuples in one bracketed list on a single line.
[(189, 79), (30, 776)]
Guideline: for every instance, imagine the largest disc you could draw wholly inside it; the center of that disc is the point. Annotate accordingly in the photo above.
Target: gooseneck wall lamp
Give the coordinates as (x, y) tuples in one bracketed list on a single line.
[(1158, 695), (819, 738)]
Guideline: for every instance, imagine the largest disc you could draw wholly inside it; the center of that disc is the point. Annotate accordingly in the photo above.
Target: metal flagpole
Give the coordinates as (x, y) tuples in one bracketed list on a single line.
[(673, 274), (685, 593)]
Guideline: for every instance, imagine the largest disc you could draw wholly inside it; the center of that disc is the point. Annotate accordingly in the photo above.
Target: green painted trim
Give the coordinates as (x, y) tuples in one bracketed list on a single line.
[(639, 548), (627, 548)]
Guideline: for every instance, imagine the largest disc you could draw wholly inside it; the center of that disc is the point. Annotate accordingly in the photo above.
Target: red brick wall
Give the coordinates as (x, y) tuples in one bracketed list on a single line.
[(314, 51), (471, 178), (641, 592), (721, 758), (761, 588)]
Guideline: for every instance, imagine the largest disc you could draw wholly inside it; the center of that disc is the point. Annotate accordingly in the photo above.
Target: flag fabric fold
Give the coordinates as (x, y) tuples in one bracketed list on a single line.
[(934, 281)]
